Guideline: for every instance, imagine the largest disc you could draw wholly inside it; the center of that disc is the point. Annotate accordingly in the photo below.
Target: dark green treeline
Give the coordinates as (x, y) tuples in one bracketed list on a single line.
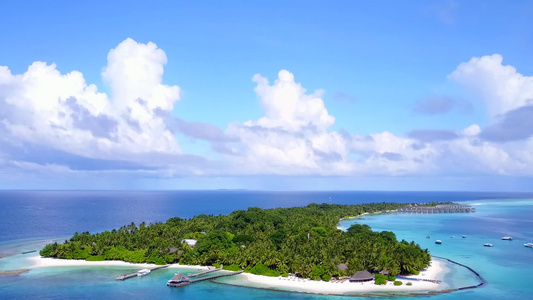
[(301, 240)]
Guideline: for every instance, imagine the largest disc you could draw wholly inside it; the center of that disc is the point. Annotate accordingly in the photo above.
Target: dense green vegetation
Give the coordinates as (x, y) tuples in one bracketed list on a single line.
[(273, 242), (380, 279)]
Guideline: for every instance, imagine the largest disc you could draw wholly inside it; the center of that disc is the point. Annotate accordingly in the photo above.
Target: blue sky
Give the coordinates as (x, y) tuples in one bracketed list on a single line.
[(373, 95)]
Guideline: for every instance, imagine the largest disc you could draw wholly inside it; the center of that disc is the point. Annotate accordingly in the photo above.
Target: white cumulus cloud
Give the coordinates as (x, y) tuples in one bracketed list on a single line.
[(135, 71), (500, 86), (45, 108), (293, 136), (45, 114)]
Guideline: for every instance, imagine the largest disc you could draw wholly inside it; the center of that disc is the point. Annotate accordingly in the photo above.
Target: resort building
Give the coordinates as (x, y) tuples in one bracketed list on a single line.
[(361, 276), (178, 280), (342, 267), (189, 242)]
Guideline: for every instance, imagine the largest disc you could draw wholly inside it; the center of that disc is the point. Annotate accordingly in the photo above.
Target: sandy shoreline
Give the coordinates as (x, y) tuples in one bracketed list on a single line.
[(47, 262), (279, 283), (361, 217), (339, 288)]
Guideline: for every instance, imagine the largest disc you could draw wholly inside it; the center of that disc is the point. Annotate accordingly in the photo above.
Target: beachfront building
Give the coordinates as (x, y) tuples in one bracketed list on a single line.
[(342, 267), (361, 276)]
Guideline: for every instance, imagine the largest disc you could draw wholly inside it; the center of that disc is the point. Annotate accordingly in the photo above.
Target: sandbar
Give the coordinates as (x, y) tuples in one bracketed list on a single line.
[(13, 272)]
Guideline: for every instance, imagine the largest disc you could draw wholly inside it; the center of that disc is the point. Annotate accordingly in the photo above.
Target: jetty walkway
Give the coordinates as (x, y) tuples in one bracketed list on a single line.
[(453, 208), (419, 279), (231, 273), (130, 275), (205, 272), (183, 280)]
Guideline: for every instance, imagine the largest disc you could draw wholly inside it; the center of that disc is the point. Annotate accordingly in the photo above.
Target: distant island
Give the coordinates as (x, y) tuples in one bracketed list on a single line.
[(303, 241)]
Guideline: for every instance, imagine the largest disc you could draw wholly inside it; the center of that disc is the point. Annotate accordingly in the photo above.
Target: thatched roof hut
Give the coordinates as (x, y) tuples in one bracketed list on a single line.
[(179, 278), (361, 276), (384, 272)]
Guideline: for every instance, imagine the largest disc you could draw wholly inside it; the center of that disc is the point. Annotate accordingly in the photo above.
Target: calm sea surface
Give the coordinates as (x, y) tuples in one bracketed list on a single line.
[(30, 219)]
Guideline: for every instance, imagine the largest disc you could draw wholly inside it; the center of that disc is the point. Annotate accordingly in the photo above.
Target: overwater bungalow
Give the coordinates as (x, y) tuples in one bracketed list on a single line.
[(453, 208), (179, 280), (361, 276)]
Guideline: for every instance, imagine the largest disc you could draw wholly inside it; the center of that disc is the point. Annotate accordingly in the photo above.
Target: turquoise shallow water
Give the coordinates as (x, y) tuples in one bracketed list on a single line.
[(506, 266)]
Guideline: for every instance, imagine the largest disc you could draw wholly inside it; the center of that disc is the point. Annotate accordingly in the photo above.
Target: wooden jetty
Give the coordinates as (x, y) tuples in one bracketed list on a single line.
[(183, 280), (420, 279), (130, 275), (452, 208), (211, 270)]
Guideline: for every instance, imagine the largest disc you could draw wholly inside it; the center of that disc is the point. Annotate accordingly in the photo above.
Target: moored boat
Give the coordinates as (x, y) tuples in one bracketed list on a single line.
[(143, 272), (529, 245), (507, 238), (438, 242), (464, 236), (488, 245)]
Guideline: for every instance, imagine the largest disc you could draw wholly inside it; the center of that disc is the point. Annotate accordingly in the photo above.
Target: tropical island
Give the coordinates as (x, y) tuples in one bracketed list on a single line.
[(302, 241)]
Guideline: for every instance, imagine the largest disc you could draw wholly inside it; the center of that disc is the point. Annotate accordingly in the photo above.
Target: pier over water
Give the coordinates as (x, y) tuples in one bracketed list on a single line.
[(183, 280), (439, 209), (131, 275)]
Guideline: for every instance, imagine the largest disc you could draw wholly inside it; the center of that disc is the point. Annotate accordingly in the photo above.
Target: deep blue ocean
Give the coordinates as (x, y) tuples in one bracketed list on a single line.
[(30, 219)]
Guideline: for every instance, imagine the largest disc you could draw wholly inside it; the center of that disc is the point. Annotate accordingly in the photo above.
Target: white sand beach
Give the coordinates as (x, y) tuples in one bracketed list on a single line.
[(321, 287), (46, 262), (280, 283)]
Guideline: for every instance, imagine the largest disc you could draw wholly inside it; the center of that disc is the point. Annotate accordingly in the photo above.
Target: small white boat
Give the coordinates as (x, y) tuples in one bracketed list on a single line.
[(143, 272), (438, 242), (507, 238), (529, 245), (488, 245), (464, 236)]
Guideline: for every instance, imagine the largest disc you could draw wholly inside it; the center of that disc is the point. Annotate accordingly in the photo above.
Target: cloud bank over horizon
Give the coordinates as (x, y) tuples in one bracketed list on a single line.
[(53, 123)]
